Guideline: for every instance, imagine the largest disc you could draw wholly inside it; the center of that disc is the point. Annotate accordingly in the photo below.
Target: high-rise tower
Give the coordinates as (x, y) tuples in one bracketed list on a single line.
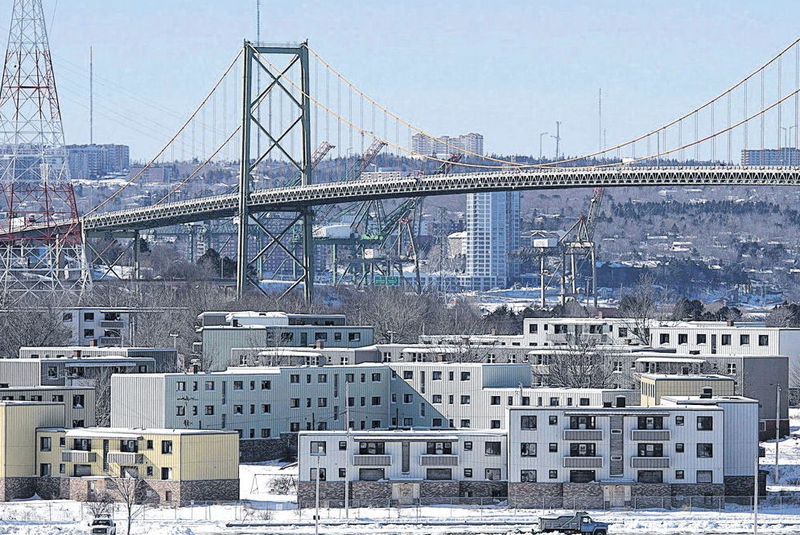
[(41, 247)]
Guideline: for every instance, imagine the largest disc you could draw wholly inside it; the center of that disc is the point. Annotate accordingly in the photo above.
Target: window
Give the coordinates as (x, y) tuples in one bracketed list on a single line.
[(265, 433), (552, 474), (493, 474), (376, 400), (492, 448), (465, 423), (552, 419), (650, 450), (465, 400), (701, 338), (467, 472), (62, 468), (353, 337), (650, 476), (527, 476), (705, 450), (437, 422), (533, 328), (744, 339), (683, 338), (82, 444), (376, 377), (494, 424), (468, 446), (731, 368), (52, 372), (337, 337), (323, 337), (437, 398), (44, 470), (78, 401), (209, 410), (209, 385), (439, 474), (294, 427), (439, 448), (465, 376), (371, 474), (78, 423), (679, 420), (554, 402), (294, 403), (704, 476), (581, 449), (180, 386), (581, 476), (342, 473), (623, 333), (527, 422), (238, 385), (583, 402), (651, 422), (527, 449), (436, 376), (266, 408), (726, 340), (679, 447), (495, 400), (371, 448), (705, 423), (238, 409), (45, 444), (318, 447), (166, 446), (663, 338), (582, 422), (553, 447), (295, 378), (321, 474), (266, 385), (679, 474), (763, 340), (408, 398)]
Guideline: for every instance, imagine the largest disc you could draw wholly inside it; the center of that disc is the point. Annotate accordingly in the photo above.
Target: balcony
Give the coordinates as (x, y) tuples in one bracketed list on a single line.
[(649, 462), (438, 460), (583, 434), (650, 434), (372, 460), (78, 456), (112, 324), (583, 462), (571, 339), (124, 457), (105, 341)]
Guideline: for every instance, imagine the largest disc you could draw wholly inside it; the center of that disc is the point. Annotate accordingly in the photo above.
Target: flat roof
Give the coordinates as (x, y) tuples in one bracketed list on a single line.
[(679, 377), (124, 432)]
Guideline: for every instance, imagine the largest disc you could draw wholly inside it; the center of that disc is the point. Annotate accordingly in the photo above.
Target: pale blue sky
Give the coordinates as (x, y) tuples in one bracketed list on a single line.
[(507, 69)]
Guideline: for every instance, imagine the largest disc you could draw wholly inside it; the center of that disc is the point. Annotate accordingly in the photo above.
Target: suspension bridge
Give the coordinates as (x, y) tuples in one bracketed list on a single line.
[(274, 103)]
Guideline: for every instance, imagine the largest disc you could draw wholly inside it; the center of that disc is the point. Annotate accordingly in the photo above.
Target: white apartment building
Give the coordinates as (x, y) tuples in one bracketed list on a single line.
[(689, 448), (446, 145), (493, 233)]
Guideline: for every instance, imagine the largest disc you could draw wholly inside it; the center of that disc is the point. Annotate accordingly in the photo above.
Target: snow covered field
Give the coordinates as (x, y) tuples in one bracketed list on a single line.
[(269, 513)]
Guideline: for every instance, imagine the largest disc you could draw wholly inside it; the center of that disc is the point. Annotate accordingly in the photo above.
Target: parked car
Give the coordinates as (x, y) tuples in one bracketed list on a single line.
[(103, 524)]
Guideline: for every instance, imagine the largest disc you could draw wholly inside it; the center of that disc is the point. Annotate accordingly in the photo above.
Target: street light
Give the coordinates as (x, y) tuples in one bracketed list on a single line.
[(540, 144)]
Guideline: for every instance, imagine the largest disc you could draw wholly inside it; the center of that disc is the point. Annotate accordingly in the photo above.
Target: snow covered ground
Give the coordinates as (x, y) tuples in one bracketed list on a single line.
[(266, 512)]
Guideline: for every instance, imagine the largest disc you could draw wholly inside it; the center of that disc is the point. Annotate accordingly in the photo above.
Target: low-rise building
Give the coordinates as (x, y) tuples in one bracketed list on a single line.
[(78, 402), (175, 466)]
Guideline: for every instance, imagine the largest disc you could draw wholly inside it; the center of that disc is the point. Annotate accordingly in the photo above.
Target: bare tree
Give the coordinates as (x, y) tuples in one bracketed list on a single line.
[(31, 323), (99, 503), (639, 307), (580, 363), (130, 490)]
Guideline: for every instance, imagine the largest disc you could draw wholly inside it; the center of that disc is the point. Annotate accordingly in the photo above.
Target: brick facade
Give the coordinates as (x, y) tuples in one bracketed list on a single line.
[(13, 488), (536, 495), (264, 449)]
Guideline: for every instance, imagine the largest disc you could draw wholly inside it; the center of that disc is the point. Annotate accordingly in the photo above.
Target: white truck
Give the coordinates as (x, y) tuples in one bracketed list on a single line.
[(103, 524), (580, 522)]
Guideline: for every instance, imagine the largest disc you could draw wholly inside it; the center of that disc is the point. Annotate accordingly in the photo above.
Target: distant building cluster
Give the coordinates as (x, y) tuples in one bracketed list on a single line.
[(777, 157), (445, 145), (95, 161)]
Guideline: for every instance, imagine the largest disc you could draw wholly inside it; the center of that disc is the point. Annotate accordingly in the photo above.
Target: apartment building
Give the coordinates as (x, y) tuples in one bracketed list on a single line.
[(655, 386), (72, 371), (555, 457), (100, 326), (165, 359), (177, 466), (19, 420), (266, 406), (273, 329), (401, 467), (78, 402)]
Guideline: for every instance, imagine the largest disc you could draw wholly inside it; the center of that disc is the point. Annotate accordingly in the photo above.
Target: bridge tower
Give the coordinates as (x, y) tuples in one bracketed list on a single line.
[(41, 246), (289, 234)]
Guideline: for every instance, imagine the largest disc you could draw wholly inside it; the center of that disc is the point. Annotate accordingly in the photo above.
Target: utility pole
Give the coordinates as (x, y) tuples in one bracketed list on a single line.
[(347, 462), (557, 137), (777, 432), (755, 499)]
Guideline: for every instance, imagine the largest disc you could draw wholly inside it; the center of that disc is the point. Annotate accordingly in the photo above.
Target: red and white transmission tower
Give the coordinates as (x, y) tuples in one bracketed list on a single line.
[(41, 247)]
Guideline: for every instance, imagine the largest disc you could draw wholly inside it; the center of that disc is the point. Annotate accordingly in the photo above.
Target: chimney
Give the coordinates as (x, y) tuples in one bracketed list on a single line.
[(93, 343), (621, 401), (194, 366), (707, 393), (730, 323), (76, 354), (494, 332), (320, 344)]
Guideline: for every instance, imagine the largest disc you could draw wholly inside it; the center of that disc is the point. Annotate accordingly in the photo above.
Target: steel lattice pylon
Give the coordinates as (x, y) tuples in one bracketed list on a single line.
[(41, 246)]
